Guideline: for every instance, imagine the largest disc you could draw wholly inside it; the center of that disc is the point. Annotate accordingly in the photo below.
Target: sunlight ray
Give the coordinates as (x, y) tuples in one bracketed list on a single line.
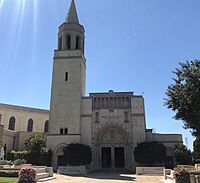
[(1, 4), (20, 20), (34, 39)]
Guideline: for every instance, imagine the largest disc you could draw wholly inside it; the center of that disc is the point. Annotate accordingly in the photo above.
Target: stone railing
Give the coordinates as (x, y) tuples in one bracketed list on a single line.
[(72, 170), (149, 170)]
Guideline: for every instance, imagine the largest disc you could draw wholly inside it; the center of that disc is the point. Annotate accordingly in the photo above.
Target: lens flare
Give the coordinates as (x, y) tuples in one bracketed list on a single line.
[(1, 4)]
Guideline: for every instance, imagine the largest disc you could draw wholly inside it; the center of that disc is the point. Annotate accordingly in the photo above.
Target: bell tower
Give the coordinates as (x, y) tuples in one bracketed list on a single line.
[(69, 77)]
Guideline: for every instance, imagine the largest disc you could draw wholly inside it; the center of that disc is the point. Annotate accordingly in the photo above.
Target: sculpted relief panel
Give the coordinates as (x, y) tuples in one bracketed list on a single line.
[(112, 137)]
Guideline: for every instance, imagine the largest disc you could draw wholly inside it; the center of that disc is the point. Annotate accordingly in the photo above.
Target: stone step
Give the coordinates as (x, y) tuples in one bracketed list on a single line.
[(47, 179), (41, 170), (42, 175)]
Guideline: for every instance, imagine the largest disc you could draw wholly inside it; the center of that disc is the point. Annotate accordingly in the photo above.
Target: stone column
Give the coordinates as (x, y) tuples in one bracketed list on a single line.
[(112, 157)]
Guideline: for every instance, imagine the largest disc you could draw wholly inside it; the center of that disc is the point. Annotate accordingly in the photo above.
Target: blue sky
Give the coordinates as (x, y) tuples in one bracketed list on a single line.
[(131, 45)]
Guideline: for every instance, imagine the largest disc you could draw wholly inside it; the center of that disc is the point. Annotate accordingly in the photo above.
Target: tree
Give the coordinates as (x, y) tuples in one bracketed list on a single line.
[(196, 150), (35, 142), (182, 155), (77, 155), (37, 153), (184, 95), (149, 153)]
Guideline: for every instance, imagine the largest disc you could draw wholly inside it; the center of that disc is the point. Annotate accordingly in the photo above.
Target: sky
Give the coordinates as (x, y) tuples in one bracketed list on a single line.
[(131, 45)]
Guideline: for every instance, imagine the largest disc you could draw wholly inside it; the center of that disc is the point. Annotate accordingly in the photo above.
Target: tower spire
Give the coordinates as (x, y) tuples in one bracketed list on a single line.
[(72, 16)]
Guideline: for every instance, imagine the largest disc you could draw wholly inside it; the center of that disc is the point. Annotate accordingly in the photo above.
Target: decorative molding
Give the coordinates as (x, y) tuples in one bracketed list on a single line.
[(137, 114), (28, 109), (86, 115), (64, 135)]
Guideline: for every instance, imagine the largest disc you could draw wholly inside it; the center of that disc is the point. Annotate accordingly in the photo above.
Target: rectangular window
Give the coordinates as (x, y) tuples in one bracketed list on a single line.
[(66, 130), (61, 131), (66, 76)]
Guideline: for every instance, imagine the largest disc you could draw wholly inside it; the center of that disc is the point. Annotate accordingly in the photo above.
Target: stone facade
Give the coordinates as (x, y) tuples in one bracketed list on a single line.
[(15, 131), (111, 123)]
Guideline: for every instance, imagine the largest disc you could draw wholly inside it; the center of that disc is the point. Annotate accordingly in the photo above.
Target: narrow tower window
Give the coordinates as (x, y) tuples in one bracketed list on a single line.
[(60, 44), (97, 117), (68, 42), (126, 116), (30, 125), (66, 131), (46, 126), (66, 76), (77, 42), (61, 131), (12, 123)]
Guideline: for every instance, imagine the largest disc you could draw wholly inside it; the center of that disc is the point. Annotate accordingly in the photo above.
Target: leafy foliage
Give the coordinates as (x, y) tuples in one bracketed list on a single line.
[(9, 173), (77, 155), (35, 142), (196, 150), (182, 155), (184, 95), (14, 155), (36, 153), (5, 162), (148, 153), (27, 175), (181, 175), (19, 162), (40, 158)]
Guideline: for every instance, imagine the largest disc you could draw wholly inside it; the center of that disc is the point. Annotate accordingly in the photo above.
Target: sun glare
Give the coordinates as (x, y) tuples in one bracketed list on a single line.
[(1, 4)]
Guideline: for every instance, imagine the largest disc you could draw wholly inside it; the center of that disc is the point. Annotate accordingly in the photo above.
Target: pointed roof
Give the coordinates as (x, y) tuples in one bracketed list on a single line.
[(72, 16)]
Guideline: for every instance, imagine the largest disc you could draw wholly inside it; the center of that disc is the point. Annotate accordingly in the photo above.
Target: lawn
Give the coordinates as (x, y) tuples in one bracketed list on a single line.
[(8, 180)]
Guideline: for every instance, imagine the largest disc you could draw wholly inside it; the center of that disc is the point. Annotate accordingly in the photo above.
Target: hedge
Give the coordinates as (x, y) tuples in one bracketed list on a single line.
[(36, 158), (9, 173)]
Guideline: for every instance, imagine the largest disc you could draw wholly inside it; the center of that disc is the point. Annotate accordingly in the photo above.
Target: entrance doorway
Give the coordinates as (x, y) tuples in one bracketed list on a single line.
[(112, 157), (106, 157), (60, 161), (119, 157)]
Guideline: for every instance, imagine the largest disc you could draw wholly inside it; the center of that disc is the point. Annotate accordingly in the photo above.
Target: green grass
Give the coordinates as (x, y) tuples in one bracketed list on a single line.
[(8, 180)]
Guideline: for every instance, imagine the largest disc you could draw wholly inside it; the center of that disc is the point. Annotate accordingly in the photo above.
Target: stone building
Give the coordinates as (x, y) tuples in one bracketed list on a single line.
[(112, 123)]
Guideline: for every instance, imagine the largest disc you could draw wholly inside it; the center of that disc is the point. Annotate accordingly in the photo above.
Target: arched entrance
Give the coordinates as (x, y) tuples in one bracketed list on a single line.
[(58, 155), (112, 149), (112, 145)]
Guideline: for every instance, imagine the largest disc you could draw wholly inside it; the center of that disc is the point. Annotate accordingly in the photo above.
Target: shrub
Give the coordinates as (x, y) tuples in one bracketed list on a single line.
[(27, 175), (77, 155), (182, 155), (35, 142), (5, 162), (19, 162), (149, 153), (181, 175), (43, 157), (14, 155), (185, 166), (8, 173), (40, 158)]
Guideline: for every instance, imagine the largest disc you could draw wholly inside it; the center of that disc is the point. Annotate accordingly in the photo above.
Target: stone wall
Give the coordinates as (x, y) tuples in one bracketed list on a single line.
[(1, 135), (22, 115)]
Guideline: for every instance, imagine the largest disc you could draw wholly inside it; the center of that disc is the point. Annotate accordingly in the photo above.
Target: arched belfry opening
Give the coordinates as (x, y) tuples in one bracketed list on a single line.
[(77, 42), (68, 42), (71, 32)]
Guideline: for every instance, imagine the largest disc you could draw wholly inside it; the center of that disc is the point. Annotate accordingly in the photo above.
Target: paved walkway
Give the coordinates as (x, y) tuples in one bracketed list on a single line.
[(106, 178)]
